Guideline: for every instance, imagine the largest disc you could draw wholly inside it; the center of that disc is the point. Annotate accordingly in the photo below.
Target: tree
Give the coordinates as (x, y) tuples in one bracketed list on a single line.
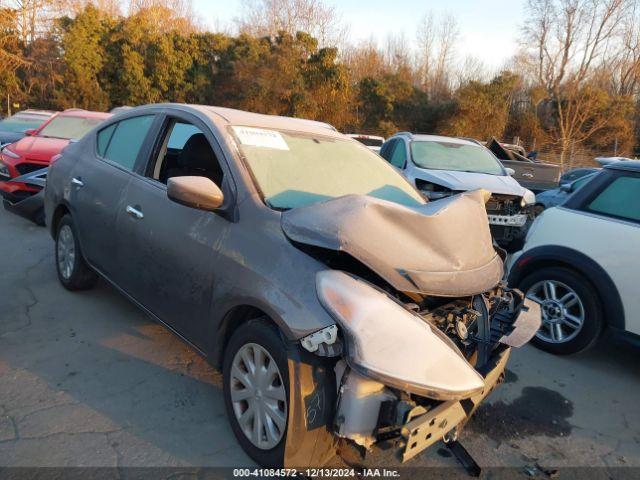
[(570, 41), (482, 109), (83, 41), (269, 17), (436, 48)]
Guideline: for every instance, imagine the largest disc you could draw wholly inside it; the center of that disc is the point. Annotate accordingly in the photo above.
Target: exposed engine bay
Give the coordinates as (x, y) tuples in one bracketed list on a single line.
[(370, 413), (423, 333)]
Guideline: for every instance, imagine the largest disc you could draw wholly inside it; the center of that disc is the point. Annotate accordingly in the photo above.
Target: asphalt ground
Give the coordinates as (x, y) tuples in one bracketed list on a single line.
[(87, 380)]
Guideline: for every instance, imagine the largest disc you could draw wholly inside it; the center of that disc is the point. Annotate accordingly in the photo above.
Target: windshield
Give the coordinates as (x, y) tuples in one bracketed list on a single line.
[(69, 127), (20, 123), (459, 157), (296, 169)]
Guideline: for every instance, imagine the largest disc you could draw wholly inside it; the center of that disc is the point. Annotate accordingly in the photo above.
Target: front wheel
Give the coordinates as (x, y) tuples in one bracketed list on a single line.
[(256, 391), (571, 311)]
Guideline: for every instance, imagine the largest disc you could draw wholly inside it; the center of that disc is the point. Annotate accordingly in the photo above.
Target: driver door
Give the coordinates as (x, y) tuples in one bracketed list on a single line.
[(171, 249)]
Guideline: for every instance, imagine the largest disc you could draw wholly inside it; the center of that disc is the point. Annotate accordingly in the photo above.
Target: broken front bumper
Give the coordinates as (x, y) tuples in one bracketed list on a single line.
[(447, 419)]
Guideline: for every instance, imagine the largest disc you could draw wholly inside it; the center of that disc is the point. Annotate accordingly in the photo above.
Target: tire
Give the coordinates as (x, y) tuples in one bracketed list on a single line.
[(73, 271), (585, 304), (249, 337)]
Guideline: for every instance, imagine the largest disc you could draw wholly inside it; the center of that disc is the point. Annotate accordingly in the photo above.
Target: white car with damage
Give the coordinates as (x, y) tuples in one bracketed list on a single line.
[(443, 166)]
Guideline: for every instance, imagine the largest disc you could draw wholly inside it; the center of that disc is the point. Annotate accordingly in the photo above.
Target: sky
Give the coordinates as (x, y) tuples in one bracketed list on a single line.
[(488, 29)]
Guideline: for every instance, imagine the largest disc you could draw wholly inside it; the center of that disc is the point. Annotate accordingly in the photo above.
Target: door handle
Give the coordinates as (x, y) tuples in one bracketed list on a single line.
[(134, 212), (76, 181)]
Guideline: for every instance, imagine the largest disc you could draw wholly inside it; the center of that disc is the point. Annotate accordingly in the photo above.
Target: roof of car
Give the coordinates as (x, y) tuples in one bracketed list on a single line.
[(78, 112), (628, 165), (421, 137), (31, 111), (230, 116)]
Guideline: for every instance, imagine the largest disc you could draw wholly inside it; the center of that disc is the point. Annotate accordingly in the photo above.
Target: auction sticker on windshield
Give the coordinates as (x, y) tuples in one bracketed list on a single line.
[(258, 137)]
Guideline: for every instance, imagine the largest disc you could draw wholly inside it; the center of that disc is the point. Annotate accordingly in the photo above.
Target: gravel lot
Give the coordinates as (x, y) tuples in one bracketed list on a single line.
[(88, 380)]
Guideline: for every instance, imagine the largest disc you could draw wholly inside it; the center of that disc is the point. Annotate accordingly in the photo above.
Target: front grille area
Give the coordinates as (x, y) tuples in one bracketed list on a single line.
[(503, 205), (25, 168)]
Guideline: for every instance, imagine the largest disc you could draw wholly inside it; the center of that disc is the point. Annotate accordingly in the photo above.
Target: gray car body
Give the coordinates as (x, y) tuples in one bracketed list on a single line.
[(202, 269)]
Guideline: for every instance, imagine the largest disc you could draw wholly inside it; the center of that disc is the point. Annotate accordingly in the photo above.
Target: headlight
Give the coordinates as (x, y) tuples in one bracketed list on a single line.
[(529, 198), (386, 342), (10, 153)]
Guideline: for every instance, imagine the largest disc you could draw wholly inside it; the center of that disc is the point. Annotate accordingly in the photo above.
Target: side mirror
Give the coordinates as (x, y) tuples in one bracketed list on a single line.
[(510, 171), (31, 132), (195, 192), (566, 187)]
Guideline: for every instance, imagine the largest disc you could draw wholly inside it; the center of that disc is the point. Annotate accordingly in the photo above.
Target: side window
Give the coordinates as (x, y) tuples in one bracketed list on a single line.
[(104, 137), (126, 140), (185, 151), (619, 199), (399, 155), (387, 148), (577, 184)]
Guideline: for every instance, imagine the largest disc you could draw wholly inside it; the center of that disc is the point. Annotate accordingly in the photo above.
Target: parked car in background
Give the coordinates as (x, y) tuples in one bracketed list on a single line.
[(557, 196), (371, 141), (443, 166), (314, 275), (532, 174), (19, 124), (33, 153), (575, 173), (580, 262)]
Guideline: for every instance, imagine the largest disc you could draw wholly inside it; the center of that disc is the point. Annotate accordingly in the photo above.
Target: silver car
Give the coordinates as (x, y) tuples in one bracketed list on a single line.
[(302, 265), (442, 166)]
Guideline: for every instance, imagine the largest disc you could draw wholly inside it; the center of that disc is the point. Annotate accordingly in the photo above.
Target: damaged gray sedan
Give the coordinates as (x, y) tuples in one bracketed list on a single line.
[(342, 308)]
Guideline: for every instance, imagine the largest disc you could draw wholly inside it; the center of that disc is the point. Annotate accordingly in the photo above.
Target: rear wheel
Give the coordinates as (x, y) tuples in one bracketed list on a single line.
[(73, 271), (571, 310), (256, 391)]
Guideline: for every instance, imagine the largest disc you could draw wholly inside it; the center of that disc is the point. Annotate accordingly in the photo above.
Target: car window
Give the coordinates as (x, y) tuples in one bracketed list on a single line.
[(399, 155), (126, 141), (295, 169), (104, 136), (185, 151), (69, 127), (387, 148), (180, 133), (576, 185), (619, 199), (20, 122), (456, 156)]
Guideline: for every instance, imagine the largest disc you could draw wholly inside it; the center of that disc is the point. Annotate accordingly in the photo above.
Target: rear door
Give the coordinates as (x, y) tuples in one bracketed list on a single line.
[(98, 185), (169, 250)]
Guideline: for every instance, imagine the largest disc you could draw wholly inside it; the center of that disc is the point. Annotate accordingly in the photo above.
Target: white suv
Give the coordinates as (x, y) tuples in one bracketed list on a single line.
[(580, 262)]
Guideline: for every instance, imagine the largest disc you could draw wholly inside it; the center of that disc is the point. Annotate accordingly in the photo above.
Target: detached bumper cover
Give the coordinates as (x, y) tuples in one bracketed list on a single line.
[(24, 195), (424, 430)]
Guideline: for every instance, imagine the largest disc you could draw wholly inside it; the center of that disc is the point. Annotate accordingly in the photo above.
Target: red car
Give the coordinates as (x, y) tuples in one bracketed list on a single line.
[(35, 151)]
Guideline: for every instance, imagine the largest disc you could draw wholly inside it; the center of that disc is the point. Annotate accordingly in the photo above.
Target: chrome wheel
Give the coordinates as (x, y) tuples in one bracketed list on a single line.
[(562, 311), (66, 250), (258, 396)]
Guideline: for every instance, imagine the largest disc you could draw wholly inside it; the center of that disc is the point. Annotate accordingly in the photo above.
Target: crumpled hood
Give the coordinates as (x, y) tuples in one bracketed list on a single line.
[(465, 181), (442, 248)]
